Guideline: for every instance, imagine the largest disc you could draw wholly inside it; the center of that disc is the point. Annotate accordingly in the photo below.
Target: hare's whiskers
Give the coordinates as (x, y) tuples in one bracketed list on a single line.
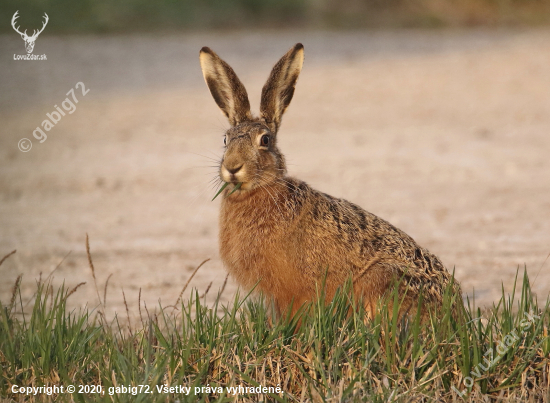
[(267, 187), (215, 159)]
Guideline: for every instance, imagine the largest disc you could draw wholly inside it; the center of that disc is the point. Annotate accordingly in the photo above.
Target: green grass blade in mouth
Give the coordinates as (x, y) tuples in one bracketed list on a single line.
[(236, 188), (221, 189)]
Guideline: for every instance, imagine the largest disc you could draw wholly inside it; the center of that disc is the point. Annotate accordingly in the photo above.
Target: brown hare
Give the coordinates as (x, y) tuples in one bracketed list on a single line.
[(279, 234)]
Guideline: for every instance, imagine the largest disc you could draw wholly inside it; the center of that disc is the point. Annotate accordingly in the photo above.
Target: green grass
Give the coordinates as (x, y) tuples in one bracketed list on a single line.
[(334, 355)]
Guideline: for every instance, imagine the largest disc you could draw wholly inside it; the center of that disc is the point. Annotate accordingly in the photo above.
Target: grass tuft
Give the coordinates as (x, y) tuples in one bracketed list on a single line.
[(327, 353)]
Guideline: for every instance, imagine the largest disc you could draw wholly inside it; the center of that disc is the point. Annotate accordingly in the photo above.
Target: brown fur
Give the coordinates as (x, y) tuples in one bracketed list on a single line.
[(279, 233)]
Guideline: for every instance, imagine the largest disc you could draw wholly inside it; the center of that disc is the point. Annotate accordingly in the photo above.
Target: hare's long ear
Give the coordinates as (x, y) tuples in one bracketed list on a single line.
[(226, 88), (279, 88)]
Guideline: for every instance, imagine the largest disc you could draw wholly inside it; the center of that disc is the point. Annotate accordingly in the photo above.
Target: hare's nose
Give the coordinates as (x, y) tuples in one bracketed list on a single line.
[(233, 171)]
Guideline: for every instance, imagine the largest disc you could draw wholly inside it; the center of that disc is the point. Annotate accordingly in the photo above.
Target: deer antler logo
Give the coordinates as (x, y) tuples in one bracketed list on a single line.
[(29, 40)]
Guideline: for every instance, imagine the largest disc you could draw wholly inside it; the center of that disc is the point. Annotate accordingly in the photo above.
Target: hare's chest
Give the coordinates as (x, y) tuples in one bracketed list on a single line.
[(252, 247)]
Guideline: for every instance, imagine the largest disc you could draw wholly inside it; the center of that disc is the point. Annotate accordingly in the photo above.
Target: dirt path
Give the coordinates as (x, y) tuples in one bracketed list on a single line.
[(444, 134)]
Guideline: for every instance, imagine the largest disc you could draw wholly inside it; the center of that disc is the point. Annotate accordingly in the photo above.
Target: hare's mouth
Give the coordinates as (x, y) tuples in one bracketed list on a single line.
[(235, 187), (233, 174)]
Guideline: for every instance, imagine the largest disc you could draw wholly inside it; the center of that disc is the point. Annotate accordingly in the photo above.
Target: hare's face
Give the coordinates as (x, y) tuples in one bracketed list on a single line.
[(252, 159), (251, 156)]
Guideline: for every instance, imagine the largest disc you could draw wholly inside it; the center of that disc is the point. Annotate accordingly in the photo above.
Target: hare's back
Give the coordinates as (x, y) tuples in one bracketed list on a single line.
[(340, 234)]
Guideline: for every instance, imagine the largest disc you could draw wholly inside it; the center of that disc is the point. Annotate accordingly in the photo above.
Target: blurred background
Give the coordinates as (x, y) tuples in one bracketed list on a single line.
[(103, 16), (434, 115)]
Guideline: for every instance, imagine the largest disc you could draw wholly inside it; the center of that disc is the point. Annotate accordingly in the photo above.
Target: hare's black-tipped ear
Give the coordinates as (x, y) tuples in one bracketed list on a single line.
[(226, 88), (279, 88)]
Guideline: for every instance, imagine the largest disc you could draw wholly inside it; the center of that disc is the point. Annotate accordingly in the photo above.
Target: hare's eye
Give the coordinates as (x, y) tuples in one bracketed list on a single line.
[(224, 141), (264, 141)]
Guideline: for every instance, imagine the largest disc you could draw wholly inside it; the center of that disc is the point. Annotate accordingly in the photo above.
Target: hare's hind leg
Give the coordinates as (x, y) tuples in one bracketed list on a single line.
[(381, 283), (371, 284)]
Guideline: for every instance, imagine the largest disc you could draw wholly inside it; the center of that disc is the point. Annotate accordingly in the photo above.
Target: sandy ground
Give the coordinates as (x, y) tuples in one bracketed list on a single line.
[(445, 134)]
